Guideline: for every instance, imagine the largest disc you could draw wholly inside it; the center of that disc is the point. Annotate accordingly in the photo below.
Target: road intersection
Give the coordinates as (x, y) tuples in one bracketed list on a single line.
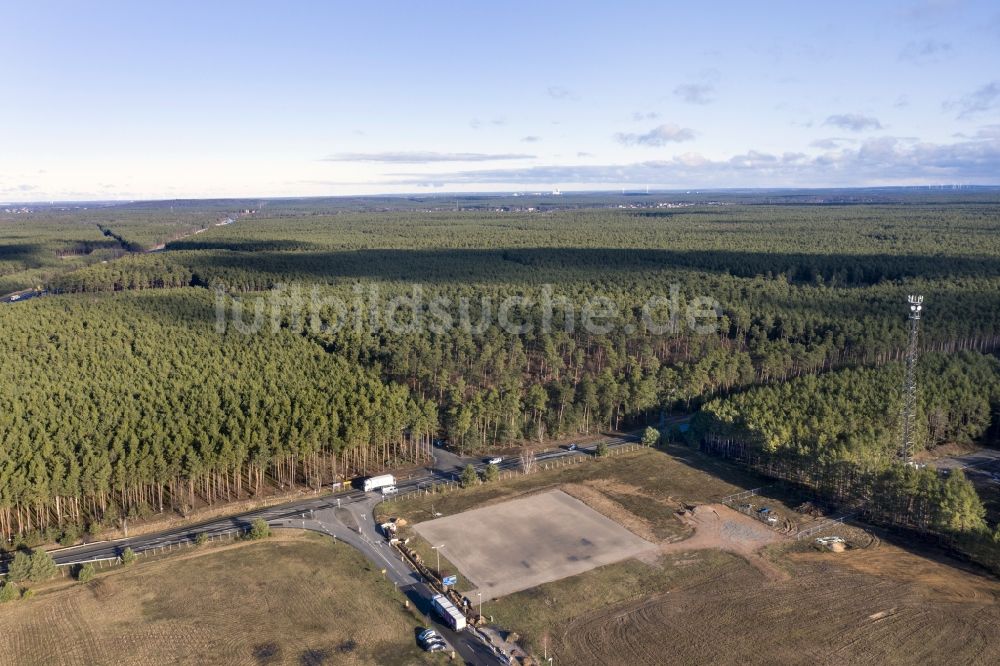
[(348, 517)]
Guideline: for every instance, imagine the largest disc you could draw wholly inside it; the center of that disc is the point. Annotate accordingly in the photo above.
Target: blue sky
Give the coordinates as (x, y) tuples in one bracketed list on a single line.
[(202, 99)]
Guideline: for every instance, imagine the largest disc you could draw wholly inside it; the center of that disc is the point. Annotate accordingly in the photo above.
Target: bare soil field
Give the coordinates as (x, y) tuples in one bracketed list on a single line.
[(515, 545), (716, 526), (868, 606), (293, 599)]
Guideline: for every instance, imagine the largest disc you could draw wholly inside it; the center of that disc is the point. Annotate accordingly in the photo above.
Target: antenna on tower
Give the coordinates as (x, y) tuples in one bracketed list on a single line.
[(916, 304)]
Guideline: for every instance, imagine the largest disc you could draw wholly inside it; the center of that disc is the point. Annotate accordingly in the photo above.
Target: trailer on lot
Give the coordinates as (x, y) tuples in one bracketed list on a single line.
[(453, 617)]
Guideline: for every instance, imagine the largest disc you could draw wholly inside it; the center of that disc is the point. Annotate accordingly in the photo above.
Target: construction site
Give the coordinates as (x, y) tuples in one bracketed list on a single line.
[(661, 552)]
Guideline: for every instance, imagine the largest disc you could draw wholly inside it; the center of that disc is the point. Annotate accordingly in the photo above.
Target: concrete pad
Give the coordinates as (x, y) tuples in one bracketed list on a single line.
[(516, 545)]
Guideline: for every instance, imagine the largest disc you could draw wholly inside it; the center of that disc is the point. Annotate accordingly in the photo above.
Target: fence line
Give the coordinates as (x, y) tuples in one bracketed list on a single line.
[(506, 475), (141, 552), (735, 497), (809, 531)]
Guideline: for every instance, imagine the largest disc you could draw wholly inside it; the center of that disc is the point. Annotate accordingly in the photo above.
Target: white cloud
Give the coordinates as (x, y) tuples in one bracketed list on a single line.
[(423, 157), (658, 136), (879, 161), (831, 143), (559, 92), (639, 116), (985, 98), (695, 93), (926, 51), (854, 122)]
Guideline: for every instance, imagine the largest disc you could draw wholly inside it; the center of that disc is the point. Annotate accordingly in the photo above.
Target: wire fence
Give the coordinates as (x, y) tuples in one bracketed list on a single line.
[(744, 495), (444, 486), (144, 552), (815, 529)]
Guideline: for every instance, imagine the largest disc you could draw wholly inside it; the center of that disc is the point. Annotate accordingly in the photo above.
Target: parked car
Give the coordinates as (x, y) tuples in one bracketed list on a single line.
[(428, 634), (431, 641), (389, 490)]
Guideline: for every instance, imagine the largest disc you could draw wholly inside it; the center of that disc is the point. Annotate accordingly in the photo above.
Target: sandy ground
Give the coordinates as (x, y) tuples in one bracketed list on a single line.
[(874, 606), (718, 526), (516, 545)]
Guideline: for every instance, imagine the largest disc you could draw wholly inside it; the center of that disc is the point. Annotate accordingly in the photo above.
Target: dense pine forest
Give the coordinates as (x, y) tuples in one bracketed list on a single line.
[(125, 394)]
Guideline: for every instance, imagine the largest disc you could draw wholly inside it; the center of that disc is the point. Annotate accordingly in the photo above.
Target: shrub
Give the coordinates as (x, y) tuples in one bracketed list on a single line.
[(20, 567), (469, 477), (650, 436), (129, 556), (85, 573), (43, 567), (259, 529), (27, 593), (9, 592), (492, 473), (602, 449), (201, 539)]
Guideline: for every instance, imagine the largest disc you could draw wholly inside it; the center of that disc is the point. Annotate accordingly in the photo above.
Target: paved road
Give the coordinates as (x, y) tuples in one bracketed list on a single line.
[(21, 296), (979, 465), (346, 516)]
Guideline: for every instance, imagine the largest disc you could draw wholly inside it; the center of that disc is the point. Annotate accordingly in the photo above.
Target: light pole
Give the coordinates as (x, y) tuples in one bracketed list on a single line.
[(436, 550), (480, 603)]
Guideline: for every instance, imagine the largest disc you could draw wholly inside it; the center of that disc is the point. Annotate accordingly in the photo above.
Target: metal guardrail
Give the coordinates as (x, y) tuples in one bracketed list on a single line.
[(160, 549)]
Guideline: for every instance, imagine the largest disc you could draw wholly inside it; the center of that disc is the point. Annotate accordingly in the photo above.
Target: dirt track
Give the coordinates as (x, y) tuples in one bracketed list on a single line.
[(717, 526)]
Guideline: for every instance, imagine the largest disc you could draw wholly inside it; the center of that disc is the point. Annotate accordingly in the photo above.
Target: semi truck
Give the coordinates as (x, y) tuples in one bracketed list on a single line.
[(453, 617), (381, 481)]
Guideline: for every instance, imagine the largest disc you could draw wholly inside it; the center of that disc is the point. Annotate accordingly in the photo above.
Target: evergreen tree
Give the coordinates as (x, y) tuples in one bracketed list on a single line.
[(9, 592), (43, 567), (259, 529), (85, 573), (20, 567), (469, 477), (961, 510)]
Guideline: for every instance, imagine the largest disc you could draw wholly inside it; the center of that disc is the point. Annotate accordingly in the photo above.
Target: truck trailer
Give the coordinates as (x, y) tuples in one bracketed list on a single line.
[(381, 481), (453, 617)]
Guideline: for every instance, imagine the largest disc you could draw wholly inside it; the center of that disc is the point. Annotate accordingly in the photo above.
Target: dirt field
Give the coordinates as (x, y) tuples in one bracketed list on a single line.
[(293, 599), (515, 545), (869, 607), (718, 527), (722, 588)]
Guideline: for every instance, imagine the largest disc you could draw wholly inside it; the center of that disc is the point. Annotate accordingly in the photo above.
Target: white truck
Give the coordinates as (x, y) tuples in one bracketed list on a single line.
[(380, 481), (453, 617)]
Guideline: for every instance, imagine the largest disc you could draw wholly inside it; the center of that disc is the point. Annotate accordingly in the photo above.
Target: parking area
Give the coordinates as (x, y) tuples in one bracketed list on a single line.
[(525, 542)]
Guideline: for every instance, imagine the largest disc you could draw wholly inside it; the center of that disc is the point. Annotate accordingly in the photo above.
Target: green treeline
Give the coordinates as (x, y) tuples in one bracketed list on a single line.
[(123, 396), (839, 433), (123, 406)]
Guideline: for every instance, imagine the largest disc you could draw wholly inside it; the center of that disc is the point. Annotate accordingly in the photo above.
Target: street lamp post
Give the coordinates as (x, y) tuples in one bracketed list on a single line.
[(480, 603), (437, 550)]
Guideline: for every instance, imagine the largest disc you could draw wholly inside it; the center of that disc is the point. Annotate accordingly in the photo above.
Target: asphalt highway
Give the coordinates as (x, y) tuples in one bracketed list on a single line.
[(346, 516)]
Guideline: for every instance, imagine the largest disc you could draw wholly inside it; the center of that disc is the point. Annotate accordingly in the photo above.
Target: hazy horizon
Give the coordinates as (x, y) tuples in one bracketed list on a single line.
[(124, 102)]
